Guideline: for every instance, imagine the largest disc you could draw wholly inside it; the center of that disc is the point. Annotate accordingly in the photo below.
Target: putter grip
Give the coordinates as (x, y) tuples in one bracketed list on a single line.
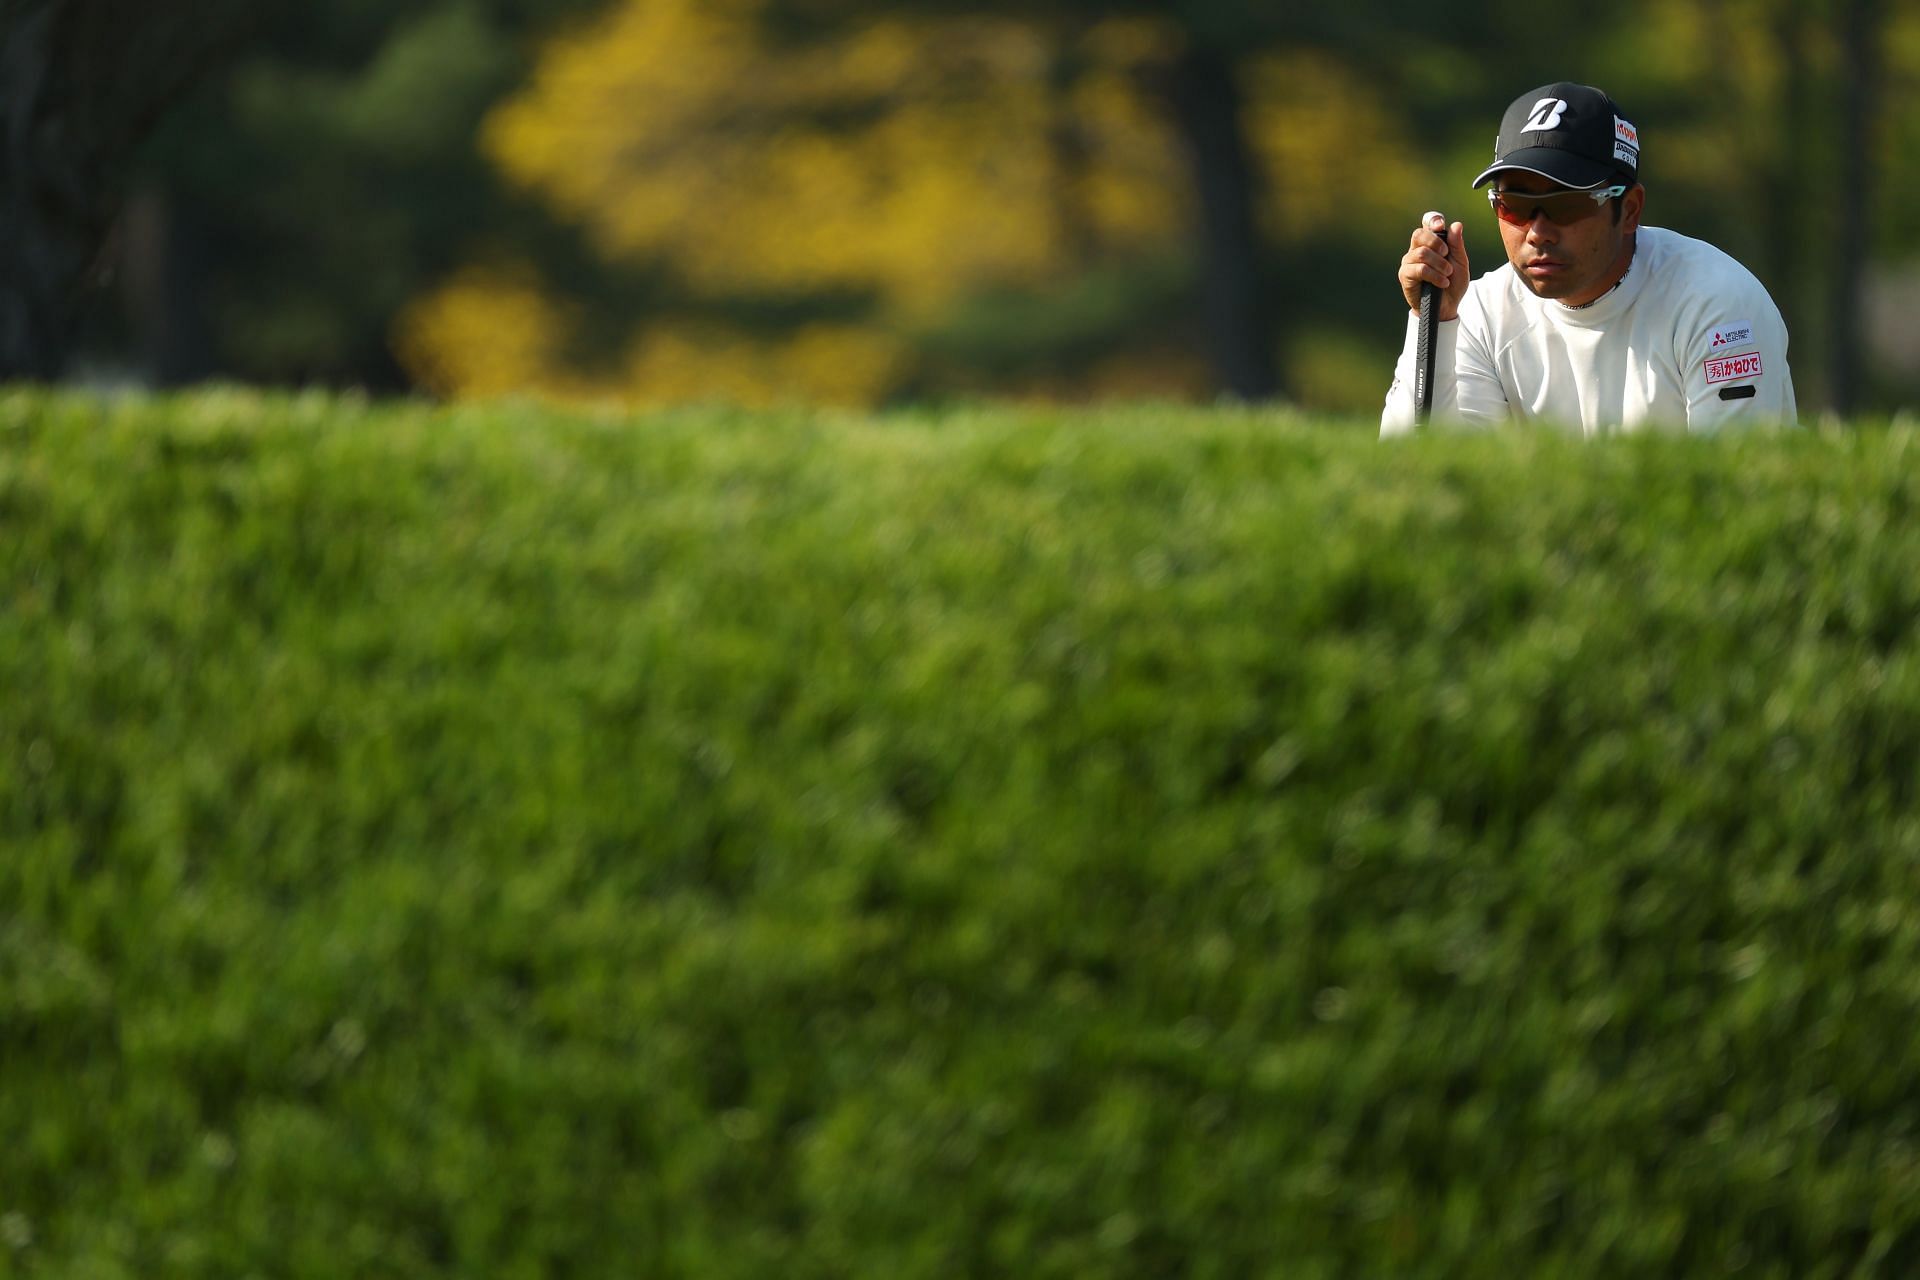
[(1427, 340)]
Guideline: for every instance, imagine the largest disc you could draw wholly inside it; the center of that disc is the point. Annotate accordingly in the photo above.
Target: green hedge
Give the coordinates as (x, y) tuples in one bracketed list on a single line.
[(500, 842)]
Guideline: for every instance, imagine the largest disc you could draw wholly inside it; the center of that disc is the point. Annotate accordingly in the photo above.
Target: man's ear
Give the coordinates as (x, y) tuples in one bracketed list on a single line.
[(1632, 205)]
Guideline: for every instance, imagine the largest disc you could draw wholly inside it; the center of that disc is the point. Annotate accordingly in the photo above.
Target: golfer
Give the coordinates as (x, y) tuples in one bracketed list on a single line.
[(1595, 322)]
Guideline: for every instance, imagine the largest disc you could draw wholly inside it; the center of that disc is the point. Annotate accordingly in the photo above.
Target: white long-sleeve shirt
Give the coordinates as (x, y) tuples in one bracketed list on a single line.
[(1689, 340)]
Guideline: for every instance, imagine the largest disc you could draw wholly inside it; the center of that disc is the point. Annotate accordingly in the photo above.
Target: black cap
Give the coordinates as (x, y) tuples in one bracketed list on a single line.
[(1571, 133)]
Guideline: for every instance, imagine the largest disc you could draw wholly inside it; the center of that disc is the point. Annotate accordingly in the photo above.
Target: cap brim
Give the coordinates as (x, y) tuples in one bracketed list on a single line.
[(1554, 165)]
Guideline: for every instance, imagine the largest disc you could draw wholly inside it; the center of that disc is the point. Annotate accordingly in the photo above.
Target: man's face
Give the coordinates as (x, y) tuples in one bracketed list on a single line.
[(1571, 262)]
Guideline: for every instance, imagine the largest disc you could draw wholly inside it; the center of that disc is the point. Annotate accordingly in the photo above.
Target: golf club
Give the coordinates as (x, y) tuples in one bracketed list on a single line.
[(1435, 221)]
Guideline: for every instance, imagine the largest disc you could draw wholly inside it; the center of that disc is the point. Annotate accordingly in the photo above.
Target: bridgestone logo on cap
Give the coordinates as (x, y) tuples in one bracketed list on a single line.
[(1545, 115), (1626, 142)]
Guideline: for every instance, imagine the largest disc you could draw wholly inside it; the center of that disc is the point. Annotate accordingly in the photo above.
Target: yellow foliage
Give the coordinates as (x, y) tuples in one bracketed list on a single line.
[(1166, 374), (490, 331), (1693, 43), (1333, 151), (819, 364), (1132, 190), (912, 159), (1334, 372)]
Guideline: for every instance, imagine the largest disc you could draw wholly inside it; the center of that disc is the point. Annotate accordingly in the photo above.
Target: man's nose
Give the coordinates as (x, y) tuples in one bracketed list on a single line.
[(1541, 231)]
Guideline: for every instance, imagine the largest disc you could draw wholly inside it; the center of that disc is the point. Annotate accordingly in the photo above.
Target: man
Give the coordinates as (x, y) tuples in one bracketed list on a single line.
[(1596, 322)]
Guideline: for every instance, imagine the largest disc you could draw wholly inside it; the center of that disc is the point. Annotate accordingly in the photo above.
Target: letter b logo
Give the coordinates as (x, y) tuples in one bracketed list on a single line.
[(1546, 115)]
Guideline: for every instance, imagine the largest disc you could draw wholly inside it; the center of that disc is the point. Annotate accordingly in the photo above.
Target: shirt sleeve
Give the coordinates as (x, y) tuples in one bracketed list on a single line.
[(1733, 350), (1466, 386)]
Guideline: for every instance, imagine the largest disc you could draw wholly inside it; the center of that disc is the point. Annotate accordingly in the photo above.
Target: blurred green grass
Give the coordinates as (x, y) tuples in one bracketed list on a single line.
[(1105, 843)]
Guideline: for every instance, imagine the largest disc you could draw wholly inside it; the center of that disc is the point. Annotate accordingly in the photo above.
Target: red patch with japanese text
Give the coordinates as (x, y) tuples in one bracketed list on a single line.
[(1733, 368)]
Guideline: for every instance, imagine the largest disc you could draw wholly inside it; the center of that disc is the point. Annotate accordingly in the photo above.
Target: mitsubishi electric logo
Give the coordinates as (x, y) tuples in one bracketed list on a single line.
[(1732, 335)]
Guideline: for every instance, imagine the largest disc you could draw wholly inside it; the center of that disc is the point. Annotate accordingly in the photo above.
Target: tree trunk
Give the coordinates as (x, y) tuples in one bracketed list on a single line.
[(163, 268), (82, 83), (1207, 105), (1067, 152), (1783, 204), (1860, 73), (46, 230)]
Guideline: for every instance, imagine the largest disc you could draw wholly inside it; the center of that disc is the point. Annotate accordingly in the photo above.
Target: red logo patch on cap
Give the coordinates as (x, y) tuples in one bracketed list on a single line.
[(1626, 142)]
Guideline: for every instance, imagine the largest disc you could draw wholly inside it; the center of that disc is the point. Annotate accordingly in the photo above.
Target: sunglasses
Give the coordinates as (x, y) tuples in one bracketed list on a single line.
[(1560, 207)]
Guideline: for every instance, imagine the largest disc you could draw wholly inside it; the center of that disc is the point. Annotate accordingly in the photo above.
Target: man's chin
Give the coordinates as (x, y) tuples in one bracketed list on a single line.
[(1553, 288)]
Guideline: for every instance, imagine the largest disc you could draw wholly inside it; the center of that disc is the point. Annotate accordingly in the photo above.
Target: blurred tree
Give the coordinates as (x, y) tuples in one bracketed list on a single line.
[(829, 206), (1771, 127), (837, 199), (82, 83), (1209, 104), (1213, 51), (291, 207), (858, 204), (1862, 32)]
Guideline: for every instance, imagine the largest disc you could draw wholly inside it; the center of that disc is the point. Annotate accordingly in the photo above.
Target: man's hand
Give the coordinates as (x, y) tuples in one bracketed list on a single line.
[(1441, 263)]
